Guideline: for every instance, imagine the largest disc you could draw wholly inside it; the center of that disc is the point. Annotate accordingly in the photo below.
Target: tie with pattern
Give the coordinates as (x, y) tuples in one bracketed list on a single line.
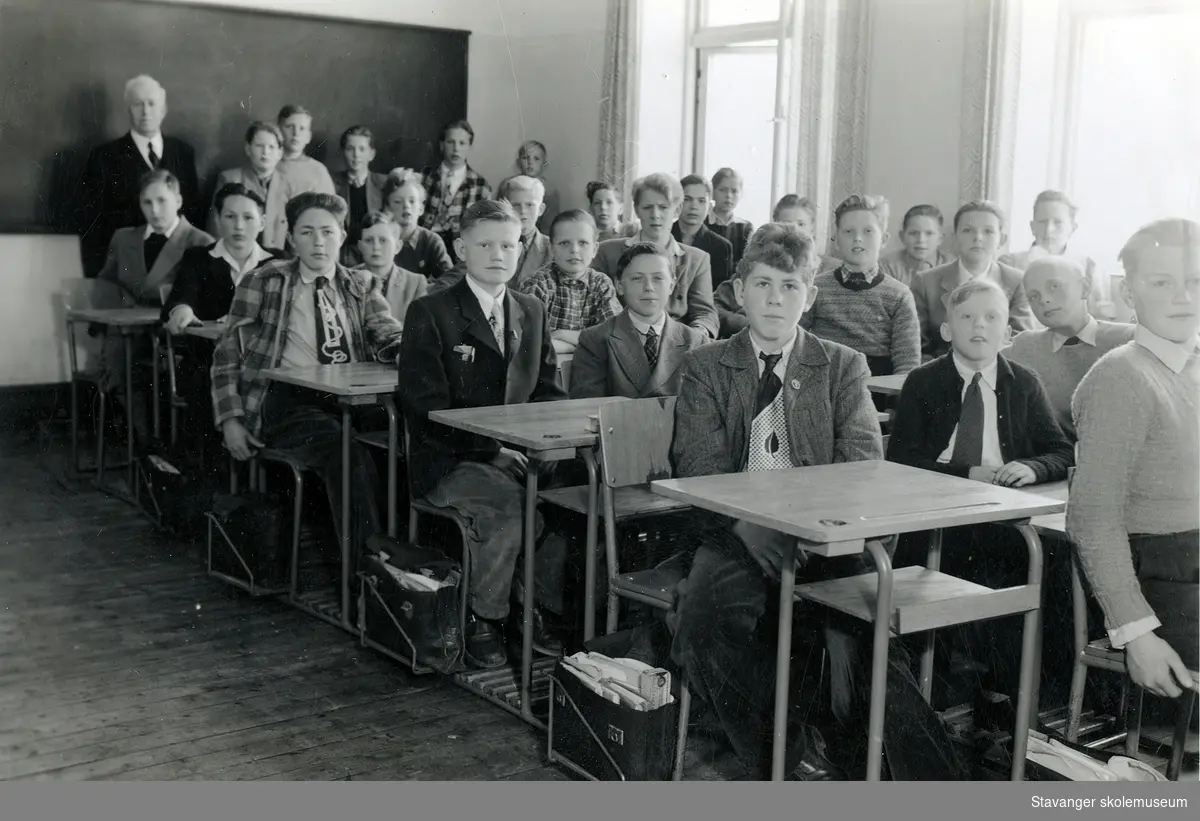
[(153, 157), (768, 384), (494, 321), (651, 347), (331, 337), (1074, 340), (151, 248), (968, 441)]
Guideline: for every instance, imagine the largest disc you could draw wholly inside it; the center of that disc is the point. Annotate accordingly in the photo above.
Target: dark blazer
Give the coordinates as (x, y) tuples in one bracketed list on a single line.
[(692, 300), (931, 293), (449, 359), (610, 360), (931, 401), (831, 417), (203, 282), (125, 266), (108, 192), (341, 187), (719, 249)]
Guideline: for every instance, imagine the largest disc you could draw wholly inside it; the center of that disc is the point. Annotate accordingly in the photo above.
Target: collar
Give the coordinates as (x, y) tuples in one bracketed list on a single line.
[(142, 142), (166, 233), (713, 219), (990, 372), (858, 280), (309, 277), (1172, 354), (786, 350), (561, 277), (448, 173), (672, 247), (642, 327), (411, 239), (487, 302), (965, 276), (1088, 335), (919, 264), (677, 231), (256, 258)]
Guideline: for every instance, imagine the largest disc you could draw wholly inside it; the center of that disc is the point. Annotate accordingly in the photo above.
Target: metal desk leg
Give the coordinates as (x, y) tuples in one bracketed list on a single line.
[(879, 659), (389, 405), (589, 562), (127, 338), (1027, 701), (783, 660), (157, 428), (933, 561), (347, 434), (531, 495)]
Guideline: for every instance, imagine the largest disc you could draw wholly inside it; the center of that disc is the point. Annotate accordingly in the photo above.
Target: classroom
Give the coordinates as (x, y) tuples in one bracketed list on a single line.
[(600, 390)]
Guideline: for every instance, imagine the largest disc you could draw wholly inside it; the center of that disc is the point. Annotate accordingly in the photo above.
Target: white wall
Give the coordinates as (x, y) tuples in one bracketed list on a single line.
[(534, 69)]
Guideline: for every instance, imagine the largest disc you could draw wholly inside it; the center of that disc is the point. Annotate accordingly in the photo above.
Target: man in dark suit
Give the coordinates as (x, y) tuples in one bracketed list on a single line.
[(109, 186), (691, 228), (475, 344)]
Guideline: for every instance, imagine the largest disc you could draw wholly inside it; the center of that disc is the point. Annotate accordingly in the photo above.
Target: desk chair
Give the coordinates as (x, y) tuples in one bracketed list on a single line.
[(78, 294)]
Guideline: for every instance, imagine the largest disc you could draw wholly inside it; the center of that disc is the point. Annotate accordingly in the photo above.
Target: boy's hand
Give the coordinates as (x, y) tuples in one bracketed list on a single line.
[(765, 545), (1015, 474), (983, 473), (1154, 665), (180, 318), (239, 441), (512, 462)]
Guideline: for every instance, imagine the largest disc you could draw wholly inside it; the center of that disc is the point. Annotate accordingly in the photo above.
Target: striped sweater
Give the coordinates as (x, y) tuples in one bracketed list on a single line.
[(879, 321)]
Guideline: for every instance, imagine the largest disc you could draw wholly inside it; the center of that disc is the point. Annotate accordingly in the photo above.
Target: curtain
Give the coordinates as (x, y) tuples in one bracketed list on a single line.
[(618, 94)]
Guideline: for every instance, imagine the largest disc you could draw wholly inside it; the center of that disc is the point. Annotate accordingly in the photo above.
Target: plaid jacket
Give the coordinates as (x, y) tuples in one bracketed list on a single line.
[(572, 304), (444, 216), (256, 331)]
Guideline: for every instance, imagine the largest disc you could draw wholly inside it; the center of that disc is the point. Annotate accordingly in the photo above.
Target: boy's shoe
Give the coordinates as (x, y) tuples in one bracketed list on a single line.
[(485, 644), (813, 764), (546, 635)]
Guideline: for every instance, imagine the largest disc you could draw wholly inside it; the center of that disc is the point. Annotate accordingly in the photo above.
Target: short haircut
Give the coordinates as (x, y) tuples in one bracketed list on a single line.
[(520, 182), (373, 218), (596, 186), (794, 201), (659, 183), (1056, 263), (781, 246), (158, 175), (1172, 232), (873, 203), (972, 287), (462, 125), (400, 178), (311, 200), (143, 82), (924, 210), (487, 211), (641, 249), (236, 189), (572, 215), (696, 179), (356, 131), (1050, 195), (525, 146), (292, 110), (259, 127), (986, 206), (725, 174)]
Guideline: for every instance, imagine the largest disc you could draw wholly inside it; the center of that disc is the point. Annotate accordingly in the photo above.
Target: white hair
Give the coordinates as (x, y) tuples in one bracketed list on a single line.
[(520, 182), (144, 82)]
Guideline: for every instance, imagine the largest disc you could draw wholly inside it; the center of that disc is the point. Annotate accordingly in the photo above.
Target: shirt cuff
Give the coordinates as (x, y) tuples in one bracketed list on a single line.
[(1120, 636)]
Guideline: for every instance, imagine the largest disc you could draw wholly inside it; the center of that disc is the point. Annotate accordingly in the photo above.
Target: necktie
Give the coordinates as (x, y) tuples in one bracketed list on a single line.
[(331, 337), (153, 156), (968, 441), (151, 248), (651, 347), (494, 321), (1074, 340), (768, 384)]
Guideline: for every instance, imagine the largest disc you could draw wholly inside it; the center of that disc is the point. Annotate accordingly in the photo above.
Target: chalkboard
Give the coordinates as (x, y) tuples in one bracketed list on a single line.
[(64, 64)]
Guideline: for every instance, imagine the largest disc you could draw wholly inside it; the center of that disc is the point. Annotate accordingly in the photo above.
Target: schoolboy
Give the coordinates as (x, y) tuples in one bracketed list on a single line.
[(358, 185), (605, 203), (420, 251), (727, 186), (920, 245), (264, 150), (532, 160), (302, 172), (802, 212), (1135, 498), (859, 306), (575, 295), (1071, 341), (525, 194), (657, 198), (690, 229), (774, 397), (378, 236), (978, 233), (299, 313), (477, 344), (639, 352), (452, 185)]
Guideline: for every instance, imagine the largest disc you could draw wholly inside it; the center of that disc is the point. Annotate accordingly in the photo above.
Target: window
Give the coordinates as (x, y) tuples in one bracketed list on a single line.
[(737, 12)]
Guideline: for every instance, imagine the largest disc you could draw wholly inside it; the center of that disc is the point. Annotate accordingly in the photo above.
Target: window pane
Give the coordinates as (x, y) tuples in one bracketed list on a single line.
[(738, 131), (736, 12)]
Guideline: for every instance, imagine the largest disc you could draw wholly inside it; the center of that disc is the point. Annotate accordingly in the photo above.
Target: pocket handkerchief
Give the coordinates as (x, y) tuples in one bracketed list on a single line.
[(467, 352)]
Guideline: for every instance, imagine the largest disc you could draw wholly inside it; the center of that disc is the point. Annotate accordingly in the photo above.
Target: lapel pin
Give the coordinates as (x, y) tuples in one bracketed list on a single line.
[(795, 384)]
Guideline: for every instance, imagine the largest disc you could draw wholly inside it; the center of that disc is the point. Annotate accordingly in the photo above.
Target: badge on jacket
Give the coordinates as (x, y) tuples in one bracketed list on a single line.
[(467, 352)]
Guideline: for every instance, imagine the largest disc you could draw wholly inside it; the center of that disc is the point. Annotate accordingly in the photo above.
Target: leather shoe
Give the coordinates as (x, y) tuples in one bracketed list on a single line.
[(546, 638), (813, 764), (485, 644)]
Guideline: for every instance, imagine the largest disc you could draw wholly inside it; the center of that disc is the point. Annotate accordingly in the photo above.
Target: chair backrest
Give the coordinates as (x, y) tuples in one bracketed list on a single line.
[(886, 438), (635, 440)]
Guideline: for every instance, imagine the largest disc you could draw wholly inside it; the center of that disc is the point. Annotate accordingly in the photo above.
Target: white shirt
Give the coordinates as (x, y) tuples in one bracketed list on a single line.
[(965, 276), (781, 365), (300, 347), (149, 231), (236, 270), (1172, 354), (453, 178), (143, 145), (643, 328), (489, 303), (1087, 335), (991, 431)]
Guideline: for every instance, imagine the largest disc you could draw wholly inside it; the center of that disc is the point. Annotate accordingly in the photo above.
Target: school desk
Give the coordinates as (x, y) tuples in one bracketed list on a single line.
[(354, 384), (886, 385), (843, 509)]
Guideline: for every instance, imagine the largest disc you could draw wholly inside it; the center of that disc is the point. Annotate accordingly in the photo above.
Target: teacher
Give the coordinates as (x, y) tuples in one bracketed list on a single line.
[(110, 176)]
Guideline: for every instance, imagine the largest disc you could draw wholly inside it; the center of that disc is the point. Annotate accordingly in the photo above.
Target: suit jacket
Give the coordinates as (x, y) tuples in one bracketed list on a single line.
[(931, 292), (931, 401), (830, 415), (449, 359), (275, 227), (108, 191), (341, 187), (719, 249), (692, 300), (125, 267), (203, 282), (610, 360), (400, 288)]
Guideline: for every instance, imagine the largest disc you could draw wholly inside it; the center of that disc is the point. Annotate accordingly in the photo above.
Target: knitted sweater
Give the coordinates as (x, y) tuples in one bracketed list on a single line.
[(880, 320), (1061, 371), (1137, 471)]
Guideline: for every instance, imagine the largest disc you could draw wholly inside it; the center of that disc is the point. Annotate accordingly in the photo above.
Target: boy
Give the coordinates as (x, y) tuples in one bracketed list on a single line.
[(525, 195), (378, 236), (727, 187), (453, 185), (978, 233), (774, 397), (657, 199), (604, 201), (142, 261), (477, 344), (299, 313), (690, 229), (921, 241), (532, 161), (575, 296), (420, 250), (358, 185), (1072, 339), (1135, 499), (859, 306), (639, 352), (302, 172), (264, 150)]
